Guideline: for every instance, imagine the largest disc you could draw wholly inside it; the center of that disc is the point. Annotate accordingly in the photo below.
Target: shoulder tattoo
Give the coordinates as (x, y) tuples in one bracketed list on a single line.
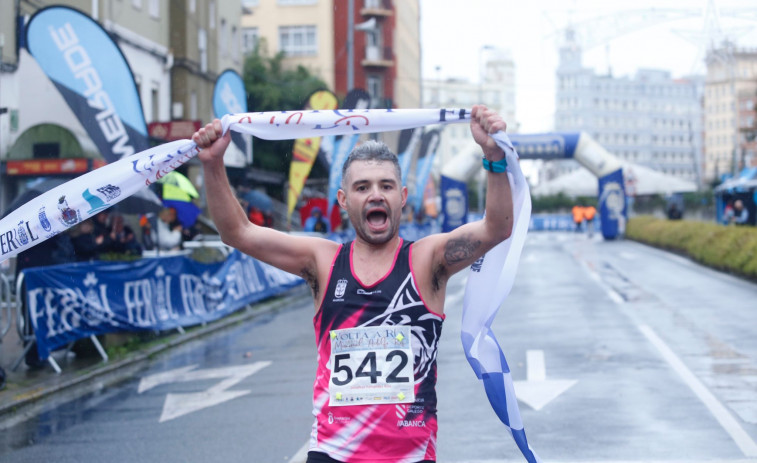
[(460, 249)]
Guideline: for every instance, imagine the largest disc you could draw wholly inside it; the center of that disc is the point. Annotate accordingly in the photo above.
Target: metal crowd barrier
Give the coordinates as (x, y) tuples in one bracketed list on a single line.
[(6, 305), (26, 331)]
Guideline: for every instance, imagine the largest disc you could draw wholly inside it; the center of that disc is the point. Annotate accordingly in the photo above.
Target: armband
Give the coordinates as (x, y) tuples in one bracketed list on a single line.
[(496, 167)]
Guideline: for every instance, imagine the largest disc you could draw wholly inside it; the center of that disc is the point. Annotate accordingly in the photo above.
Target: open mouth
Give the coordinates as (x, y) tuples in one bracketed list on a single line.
[(377, 218)]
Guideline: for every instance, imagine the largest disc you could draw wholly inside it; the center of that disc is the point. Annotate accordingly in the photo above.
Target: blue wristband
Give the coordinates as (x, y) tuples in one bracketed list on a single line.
[(496, 166)]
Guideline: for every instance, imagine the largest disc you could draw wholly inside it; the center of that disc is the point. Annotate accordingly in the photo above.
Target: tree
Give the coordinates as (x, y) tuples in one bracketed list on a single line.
[(271, 86)]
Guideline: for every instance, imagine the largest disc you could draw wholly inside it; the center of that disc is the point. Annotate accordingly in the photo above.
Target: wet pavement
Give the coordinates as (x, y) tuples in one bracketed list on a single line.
[(655, 356)]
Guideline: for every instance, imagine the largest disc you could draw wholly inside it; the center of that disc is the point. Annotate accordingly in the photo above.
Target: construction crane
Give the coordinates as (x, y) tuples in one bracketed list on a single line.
[(591, 33)]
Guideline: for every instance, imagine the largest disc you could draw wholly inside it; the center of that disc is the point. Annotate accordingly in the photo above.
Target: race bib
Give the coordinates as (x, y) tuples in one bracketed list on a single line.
[(371, 365)]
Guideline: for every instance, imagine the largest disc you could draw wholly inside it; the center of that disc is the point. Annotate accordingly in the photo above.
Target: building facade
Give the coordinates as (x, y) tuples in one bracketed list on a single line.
[(368, 44), (175, 51), (496, 89), (649, 119), (730, 89)]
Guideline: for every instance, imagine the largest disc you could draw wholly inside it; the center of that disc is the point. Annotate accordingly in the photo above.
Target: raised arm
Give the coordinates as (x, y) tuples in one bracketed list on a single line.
[(445, 254), (307, 257)]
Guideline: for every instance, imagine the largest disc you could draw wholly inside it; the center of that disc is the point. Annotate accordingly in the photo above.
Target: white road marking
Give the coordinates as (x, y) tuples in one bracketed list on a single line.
[(537, 391), (718, 410), (177, 405), (302, 454)]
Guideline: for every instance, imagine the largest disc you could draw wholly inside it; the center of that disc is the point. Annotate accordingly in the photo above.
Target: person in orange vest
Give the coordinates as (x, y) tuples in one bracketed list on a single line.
[(578, 216), (589, 213)]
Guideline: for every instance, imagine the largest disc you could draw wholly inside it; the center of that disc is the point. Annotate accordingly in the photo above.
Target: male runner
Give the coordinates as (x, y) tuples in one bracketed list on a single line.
[(379, 300)]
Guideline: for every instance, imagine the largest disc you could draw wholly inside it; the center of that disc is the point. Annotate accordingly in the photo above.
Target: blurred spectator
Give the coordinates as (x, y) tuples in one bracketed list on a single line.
[(121, 239), (146, 230), (267, 219), (740, 213), (100, 223), (316, 222), (86, 245), (578, 217), (588, 214), (674, 213), (168, 233), (256, 216)]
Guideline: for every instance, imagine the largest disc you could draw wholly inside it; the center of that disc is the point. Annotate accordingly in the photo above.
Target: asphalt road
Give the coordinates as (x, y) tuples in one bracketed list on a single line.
[(626, 354)]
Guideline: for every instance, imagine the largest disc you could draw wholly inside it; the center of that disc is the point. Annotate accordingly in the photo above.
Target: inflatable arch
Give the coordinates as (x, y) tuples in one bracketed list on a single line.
[(549, 146)]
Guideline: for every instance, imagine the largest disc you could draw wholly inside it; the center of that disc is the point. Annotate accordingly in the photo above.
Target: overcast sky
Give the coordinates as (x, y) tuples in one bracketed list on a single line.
[(453, 32)]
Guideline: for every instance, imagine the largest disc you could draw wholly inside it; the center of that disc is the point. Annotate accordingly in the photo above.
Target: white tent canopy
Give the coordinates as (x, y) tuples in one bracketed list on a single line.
[(639, 180)]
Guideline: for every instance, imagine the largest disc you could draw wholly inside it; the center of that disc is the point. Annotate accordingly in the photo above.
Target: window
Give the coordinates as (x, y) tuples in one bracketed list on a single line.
[(155, 103), (297, 2), (298, 40), (234, 43), (223, 40), (193, 111), (212, 14), (154, 8), (136, 4), (202, 45), (249, 39), (192, 5), (376, 90)]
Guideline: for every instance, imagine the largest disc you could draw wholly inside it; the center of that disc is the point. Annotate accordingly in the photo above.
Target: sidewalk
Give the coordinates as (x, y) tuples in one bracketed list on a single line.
[(28, 391)]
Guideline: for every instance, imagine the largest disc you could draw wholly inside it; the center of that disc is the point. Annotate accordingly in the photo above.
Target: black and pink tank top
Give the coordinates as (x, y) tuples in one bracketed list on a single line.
[(374, 396)]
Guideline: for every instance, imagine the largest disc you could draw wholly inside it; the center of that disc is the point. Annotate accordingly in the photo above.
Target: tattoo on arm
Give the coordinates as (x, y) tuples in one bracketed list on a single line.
[(459, 250), (309, 276)]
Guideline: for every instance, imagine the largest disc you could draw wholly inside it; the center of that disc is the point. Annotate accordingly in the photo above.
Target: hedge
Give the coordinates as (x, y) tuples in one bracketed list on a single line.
[(728, 248)]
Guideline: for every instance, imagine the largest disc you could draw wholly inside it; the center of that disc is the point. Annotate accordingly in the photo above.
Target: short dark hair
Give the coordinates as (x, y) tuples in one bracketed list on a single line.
[(371, 150)]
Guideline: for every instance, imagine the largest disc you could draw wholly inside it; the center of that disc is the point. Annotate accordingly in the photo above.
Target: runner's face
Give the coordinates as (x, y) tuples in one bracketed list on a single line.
[(373, 199)]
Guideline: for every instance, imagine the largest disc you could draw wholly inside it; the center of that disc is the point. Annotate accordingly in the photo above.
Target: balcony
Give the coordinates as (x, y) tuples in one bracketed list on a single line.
[(375, 58), (380, 8)]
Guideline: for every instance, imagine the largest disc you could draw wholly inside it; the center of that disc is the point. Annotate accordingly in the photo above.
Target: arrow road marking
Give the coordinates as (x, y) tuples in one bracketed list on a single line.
[(537, 391), (177, 405)]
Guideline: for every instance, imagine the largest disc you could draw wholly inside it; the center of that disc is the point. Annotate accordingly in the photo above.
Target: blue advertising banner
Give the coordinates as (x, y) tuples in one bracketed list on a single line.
[(612, 204), (70, 302), (429, 145), (409, 138), (454, 203), (92, 74), (230, 97), (545, 145)]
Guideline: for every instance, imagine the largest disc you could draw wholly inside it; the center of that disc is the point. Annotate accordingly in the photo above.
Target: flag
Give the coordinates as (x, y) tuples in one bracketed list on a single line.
[(230, 97), (305, 149), (93, 76), (489, 283)]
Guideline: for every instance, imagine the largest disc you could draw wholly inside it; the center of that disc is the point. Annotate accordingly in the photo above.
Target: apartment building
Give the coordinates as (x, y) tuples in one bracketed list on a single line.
[(175, 50), (649, 118), (369, 44), (729, 96), (496, 89)]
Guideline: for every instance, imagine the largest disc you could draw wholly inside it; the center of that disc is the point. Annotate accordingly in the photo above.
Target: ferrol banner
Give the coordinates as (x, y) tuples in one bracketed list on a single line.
[(612, 204), (70, 302), (230, 97), (92, 74), (306, 149), (454, 203)]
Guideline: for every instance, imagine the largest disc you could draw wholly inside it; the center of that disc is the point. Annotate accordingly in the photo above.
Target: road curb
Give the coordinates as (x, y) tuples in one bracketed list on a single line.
[(29, 401)]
